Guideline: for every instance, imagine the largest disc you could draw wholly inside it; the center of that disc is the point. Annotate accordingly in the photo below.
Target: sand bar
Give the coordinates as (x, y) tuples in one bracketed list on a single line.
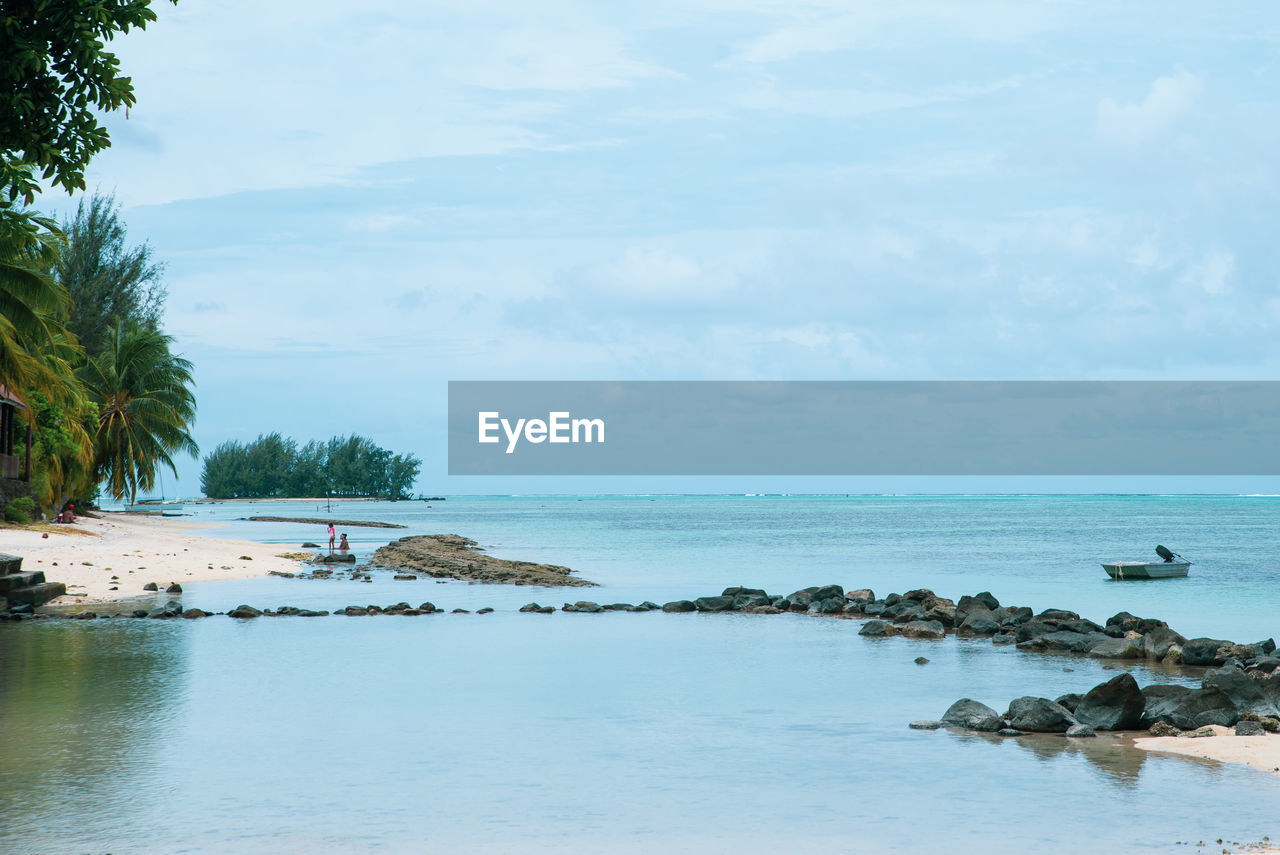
[(138, 550)]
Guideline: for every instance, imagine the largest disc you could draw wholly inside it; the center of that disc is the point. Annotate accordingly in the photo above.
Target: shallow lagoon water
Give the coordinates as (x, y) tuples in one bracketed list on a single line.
[(620, 732)]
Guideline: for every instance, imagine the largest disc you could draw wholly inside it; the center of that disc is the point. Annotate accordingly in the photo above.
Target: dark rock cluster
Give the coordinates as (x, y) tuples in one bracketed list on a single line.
[(1226, 697)]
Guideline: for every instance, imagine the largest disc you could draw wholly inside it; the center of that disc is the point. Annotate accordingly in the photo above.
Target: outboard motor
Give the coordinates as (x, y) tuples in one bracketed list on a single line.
[(1164, 553)]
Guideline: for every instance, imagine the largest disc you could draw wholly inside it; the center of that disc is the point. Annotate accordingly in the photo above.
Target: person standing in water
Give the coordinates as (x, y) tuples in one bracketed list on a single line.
[(343, 546), (331, 537)]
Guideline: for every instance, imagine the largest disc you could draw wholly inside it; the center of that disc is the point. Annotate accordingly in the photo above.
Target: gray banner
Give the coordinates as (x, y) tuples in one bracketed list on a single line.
[(864, 428)]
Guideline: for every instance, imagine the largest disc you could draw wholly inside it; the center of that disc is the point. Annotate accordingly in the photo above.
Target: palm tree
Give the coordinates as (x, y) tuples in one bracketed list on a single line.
[(145, 408), (37, 352)]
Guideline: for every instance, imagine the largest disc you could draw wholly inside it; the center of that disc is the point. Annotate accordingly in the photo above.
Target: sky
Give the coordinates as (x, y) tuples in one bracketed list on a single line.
[(359, 203)]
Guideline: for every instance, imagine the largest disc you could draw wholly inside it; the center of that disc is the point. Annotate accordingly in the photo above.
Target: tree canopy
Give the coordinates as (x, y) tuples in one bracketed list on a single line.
[(107, 280), (273, 465), (56, 76)]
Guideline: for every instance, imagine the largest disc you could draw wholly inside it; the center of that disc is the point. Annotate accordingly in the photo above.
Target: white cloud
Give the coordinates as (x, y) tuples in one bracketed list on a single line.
[(1213, 273), (1169, 100)]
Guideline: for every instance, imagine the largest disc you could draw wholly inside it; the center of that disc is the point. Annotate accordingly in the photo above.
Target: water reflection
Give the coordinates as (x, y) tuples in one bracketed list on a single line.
[(1112, 755), (82, 709)]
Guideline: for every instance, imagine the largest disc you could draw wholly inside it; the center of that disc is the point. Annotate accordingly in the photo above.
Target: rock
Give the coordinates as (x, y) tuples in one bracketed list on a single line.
[(450, 556), (874, 629), (243, 611), (1072, 642), (1004, 638), (680, 606), (875, 608), (1012, 616), (1157, 643), (461, 611), (713, 604), (826, 607), (428, 608), (532, 607), (1033, 629), (151, 586), (863, 594), (1070, 701), (919, 595), (750, 599), (922, 629), (1132, 623), (1008, 731), (893, 599), (355, 611), (139, 613), (174, 588), (978, 623), (925, 724), (1245, 693), (984, 599), (903, 611), (1200, 733), (1039, 715), (310, 545), (761, 610), (1161, 701), (584, 606), (1079, 731), (1163, 728), (405, 577), (1117, 648), (1204, 651), (1057, 614), (1083, 625), (1249, 728), (967, 712), (942, 610), (484, 611), (1114, 705), (920, 660), (1204, 707)]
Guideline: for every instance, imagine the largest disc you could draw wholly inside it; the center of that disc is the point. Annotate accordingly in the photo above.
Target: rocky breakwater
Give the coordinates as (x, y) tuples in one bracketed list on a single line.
[(451, 556), (1226, 698)]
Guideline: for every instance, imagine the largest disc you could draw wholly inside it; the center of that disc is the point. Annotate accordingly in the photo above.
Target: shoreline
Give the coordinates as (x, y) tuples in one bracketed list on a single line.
[(1260, 752), (137, 550)]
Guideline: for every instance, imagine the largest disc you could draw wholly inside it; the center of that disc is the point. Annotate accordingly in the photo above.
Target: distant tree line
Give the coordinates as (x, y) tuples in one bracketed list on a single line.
[(276, 466)]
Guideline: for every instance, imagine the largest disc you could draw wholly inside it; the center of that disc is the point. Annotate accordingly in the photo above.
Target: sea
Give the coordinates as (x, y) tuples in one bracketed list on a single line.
[(625, 732)]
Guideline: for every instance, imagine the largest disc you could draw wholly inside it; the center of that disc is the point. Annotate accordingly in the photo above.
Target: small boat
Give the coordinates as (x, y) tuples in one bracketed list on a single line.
[(164, 507), (1172, 566)]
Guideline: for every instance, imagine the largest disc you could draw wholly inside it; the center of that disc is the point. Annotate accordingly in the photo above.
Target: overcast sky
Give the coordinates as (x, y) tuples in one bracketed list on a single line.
[(358, 203)]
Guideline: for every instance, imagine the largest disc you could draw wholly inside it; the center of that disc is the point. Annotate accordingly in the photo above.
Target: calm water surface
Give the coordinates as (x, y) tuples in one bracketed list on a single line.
[(574, 733)]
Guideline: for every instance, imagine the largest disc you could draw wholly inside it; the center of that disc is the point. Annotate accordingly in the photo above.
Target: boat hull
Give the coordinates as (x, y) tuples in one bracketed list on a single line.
[(1123, 570)]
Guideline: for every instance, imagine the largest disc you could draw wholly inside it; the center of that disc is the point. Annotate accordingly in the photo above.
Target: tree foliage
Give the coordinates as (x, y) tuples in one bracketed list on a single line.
[(55, 78), (276, 466), (108, 281), (146, 407), (37, 352)]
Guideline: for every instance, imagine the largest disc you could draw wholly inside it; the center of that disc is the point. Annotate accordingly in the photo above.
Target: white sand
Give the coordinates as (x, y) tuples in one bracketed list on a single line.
[(136, 550), (1260, 752)]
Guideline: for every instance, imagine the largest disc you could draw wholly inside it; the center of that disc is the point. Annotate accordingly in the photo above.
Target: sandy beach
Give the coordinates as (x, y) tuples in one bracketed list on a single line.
[(113, 557), (1260, 752)]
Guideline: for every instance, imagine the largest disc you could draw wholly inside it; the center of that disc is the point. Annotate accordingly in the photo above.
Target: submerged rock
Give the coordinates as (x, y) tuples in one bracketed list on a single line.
[(243, 611), (450, 556)]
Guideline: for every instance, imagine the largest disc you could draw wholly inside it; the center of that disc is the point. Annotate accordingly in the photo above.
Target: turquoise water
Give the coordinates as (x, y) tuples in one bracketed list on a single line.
[(623, 732)]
